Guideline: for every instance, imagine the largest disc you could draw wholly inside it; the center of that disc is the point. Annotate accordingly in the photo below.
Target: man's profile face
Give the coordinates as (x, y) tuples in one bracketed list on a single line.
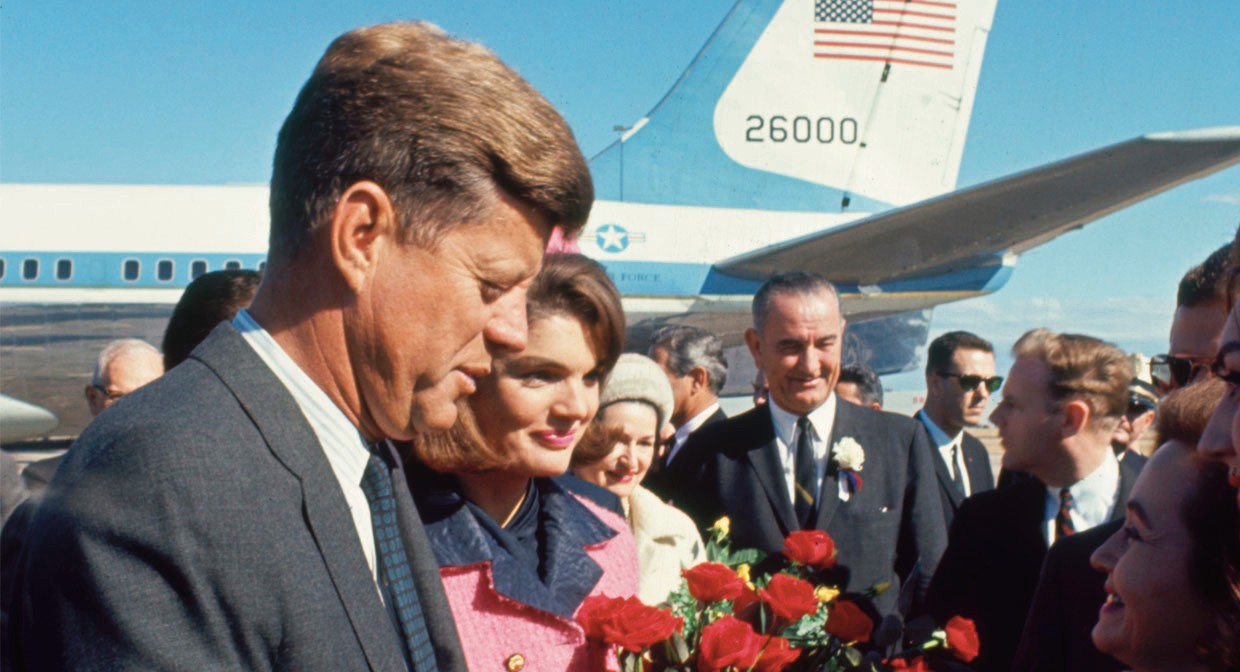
[(681, 385), (1026, 417), (799, 349), (946, 395), (1195, 333), (125, 373), (429, 321)]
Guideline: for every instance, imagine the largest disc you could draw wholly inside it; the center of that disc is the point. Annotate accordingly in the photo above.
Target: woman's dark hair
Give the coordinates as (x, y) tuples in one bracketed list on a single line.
[(1210, 514), (569, 285), (210, 299)]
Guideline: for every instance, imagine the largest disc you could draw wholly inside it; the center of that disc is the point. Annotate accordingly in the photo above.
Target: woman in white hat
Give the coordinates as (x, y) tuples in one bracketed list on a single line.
[(616, 453)]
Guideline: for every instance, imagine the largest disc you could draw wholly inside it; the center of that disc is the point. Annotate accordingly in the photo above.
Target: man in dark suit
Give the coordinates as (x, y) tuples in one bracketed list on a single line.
[(246, 511), (1061, 403), (807, 460), (960, 375), (694, 363)]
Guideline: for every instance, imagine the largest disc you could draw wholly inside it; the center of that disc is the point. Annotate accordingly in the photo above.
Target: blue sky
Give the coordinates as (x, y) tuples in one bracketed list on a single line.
[(193, 93)]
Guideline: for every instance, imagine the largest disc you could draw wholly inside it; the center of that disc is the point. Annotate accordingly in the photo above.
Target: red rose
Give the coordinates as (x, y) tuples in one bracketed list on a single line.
[(713, 582), (743, 601), (776, 655), (626, 622), (810, 547), (915, 665), (962, 638), (790, 598), (846, 621), (728, 643)]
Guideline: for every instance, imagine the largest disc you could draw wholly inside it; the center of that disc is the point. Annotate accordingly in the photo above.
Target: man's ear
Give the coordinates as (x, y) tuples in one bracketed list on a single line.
[(362, 223), (1076, 416), (701, 379), (754, 343)]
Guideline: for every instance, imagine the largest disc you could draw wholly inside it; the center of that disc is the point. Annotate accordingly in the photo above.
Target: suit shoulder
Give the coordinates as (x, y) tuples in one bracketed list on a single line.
[(997, 503), (739, 431)]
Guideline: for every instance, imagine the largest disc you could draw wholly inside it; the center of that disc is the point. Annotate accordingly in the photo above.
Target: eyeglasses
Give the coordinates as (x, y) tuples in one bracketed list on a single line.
[(109, 395), (1172, 371), (971, 382), (1138, 405)]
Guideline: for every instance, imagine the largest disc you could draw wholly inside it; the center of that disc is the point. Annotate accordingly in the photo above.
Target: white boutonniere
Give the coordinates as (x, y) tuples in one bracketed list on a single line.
[(849, 457)]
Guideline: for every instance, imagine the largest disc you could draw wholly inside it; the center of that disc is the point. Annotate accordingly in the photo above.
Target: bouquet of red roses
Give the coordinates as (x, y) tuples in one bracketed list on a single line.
[(725, 618)]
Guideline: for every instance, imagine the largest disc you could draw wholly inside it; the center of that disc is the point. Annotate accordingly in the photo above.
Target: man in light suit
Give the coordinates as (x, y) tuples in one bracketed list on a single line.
[(807, 460), (960, 375), (246, 511), (1061, 403), (694, 363)]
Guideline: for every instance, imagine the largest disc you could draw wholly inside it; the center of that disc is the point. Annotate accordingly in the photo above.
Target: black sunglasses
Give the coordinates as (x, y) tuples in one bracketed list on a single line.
[(971, 382), (1173, 371), (1138, 404)]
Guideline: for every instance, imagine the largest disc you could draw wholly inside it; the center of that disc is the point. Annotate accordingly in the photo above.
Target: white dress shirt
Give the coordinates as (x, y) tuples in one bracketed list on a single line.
[(341, 442), (822, 421), (1093, 499), (945, 443), (683, 432)]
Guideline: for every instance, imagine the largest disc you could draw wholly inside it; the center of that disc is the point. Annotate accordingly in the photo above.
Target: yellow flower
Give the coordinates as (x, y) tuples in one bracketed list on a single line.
[(880, 588), (742, 570), (723, 526), (826, 593)]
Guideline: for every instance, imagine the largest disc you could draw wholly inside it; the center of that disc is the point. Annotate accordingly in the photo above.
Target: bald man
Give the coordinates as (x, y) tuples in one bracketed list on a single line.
[(122, 367)]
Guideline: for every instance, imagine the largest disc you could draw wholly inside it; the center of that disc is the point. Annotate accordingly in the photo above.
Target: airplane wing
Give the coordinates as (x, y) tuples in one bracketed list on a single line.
[(1008, 215)]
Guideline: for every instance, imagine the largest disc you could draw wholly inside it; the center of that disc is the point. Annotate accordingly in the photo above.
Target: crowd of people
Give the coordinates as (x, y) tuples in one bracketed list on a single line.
[(417, 444)]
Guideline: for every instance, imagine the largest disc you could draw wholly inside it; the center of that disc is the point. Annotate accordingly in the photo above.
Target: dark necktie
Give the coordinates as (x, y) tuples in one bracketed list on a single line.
[(395, 578), (1063, 520), (804, 500), (957, 478)]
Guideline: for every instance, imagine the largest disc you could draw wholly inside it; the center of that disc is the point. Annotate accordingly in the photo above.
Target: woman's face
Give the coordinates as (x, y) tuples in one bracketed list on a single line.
[(1153, 615), (535, 404), (1222, 434), (632, 428)]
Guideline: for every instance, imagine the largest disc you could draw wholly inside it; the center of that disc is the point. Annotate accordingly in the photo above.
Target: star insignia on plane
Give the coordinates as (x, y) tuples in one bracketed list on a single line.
[(612, 238)]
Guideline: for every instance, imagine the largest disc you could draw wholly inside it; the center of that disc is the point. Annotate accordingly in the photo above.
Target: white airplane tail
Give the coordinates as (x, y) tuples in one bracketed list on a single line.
[(811, 105)]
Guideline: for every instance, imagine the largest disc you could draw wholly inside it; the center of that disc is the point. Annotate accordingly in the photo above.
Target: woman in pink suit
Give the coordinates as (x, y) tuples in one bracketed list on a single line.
[(518, 553)]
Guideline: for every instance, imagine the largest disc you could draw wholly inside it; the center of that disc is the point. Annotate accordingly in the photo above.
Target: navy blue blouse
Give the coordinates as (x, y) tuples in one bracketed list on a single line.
[(539, 559)]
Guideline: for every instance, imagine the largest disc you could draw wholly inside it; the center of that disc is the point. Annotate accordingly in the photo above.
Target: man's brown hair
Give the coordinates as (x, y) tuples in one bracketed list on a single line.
[(439, 123), (1081, 367)]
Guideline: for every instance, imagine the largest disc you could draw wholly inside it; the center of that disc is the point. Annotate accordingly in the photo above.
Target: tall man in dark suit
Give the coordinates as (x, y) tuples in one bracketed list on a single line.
[(807, 460), (245, 512), (960, 375), (1061, 403), (693, 360)]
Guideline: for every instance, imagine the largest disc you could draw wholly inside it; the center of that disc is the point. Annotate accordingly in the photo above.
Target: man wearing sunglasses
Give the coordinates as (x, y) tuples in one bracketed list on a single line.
[(1201, 310), (960, 376)]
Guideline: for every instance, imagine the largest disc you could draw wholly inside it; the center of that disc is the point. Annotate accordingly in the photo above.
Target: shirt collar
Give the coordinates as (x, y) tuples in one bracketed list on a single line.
[(683, 432), (1093, 497), (822, 419), (346, 451), (940, 437)]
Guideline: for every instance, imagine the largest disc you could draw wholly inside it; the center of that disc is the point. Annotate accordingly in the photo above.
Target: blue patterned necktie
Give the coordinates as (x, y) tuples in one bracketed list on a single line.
[(395, 577)]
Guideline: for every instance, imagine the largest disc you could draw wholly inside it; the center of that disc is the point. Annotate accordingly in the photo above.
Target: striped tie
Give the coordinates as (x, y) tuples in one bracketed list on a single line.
[(1063, 520), (394, 574), (805, 475)]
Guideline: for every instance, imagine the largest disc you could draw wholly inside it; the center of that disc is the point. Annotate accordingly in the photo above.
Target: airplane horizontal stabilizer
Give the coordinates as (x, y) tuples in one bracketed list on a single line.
[(1008, 215)]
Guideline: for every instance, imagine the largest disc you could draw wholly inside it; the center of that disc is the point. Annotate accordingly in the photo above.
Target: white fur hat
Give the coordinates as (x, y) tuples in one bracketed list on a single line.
[(637, 378)]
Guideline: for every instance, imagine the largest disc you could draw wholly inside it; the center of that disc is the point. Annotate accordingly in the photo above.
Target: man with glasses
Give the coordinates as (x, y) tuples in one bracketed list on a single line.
[(122, 367), (1201, 309), (960, 376), (1062, 401)]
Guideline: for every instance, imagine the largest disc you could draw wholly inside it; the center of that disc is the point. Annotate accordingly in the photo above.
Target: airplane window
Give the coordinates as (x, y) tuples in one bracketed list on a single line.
[(164, 270), (197, 268), (64, 269), (232, 265), (131, 270), (30, 269)]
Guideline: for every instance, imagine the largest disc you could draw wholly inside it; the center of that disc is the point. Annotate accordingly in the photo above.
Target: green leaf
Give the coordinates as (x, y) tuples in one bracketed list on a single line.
[(677, 649), (630, 662)]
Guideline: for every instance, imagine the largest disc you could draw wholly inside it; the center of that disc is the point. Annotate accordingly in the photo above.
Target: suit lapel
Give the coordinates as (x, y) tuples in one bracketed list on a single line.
[(292, 442), (977, 462), (769, 471)]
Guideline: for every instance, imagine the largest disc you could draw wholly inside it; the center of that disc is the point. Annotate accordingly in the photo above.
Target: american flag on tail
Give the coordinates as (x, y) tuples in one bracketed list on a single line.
[(909, 32)]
